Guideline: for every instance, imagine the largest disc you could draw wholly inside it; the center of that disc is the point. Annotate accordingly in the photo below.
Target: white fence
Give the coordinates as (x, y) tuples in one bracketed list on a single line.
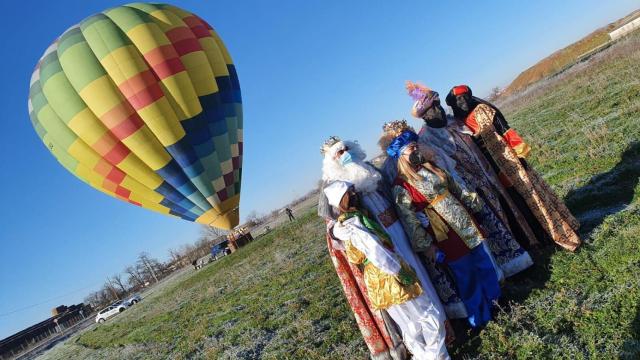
[(625, 29)]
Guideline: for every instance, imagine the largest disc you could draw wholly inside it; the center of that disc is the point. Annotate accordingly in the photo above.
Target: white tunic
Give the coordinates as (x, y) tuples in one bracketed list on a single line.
[(382, 258), (421, 320), (377, 204)]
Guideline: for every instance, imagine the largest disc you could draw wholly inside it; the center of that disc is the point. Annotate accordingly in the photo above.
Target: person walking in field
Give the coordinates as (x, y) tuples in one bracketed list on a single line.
[(290, 214), (391, 284), (506, 152)]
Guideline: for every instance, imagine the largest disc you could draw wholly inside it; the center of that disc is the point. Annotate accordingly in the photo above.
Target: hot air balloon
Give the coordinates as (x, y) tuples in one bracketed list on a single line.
[(142, 102)]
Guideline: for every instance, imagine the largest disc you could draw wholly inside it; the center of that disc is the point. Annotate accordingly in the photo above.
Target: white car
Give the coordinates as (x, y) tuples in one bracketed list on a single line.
[(109, 311)]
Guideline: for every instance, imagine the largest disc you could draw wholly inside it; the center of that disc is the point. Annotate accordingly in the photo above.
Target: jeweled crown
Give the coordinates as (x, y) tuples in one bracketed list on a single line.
[(396, 127), (332, 140)]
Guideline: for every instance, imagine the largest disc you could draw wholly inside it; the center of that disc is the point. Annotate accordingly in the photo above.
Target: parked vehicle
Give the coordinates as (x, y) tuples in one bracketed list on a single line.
[(110, 311), (220, 250), (133, 300)]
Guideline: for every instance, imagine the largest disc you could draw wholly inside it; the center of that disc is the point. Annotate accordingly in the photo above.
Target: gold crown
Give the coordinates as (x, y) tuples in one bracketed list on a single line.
[(390, 131), (396, 127), (332, 140)]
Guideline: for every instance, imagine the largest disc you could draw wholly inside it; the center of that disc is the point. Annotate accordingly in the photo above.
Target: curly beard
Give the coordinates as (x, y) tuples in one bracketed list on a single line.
[(364, 177)]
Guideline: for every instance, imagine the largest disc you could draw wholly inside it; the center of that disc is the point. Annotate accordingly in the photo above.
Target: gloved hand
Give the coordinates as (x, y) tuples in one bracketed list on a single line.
[(422, 217)]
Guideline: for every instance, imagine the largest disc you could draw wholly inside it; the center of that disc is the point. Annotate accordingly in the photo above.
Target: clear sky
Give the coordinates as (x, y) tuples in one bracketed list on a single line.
[(308, 69)]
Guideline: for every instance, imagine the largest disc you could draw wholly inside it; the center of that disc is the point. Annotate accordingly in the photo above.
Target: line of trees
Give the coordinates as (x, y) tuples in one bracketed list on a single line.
[(146, 270), (187, 253)]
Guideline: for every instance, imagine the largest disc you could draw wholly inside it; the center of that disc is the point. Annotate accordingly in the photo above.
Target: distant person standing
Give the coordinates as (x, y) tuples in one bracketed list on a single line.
[(290, 214)]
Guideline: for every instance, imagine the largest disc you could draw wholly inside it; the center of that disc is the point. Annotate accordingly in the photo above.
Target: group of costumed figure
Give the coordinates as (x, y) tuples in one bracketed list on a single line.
[(429, 233)]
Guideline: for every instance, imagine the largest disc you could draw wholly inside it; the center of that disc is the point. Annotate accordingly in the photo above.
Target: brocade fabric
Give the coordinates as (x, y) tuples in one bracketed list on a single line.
[(376, 334), (452, 207), (383, 287), (549, 210), (480, 177), (478, 169)]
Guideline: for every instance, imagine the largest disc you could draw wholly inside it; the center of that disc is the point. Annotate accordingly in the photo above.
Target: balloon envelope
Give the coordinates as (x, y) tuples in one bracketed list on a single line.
[(142, 102)]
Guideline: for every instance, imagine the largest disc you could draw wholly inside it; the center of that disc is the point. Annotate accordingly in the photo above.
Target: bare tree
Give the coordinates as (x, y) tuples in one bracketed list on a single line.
[(134, 283), (135, 277), (93, 299), (151, 265), (203, 246), (188, 251), (100, 298), (110, 293), (211, 232), (253, 219), (116, 280), (495, 94), (106, 295), (175, 257)]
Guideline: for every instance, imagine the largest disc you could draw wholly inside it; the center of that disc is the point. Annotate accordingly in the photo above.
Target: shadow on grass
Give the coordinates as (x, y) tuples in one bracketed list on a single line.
[(630, 348), (607, 193)]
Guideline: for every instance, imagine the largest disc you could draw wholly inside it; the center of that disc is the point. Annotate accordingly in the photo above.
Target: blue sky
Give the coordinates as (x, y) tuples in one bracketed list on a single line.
[(308, 69)]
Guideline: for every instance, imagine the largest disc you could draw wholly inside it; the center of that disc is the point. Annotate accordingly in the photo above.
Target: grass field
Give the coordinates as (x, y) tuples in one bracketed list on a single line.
[(585, 127), (562, 58), (279, 297)]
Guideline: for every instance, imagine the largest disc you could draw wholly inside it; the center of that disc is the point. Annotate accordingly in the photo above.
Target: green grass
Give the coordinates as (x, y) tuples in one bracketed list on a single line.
[(558, 60), (588, 308), (279, 297), (561, 59), (585, 129), (276, 298)]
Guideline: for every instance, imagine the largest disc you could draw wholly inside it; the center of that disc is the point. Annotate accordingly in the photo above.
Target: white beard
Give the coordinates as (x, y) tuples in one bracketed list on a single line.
[(364, 177)]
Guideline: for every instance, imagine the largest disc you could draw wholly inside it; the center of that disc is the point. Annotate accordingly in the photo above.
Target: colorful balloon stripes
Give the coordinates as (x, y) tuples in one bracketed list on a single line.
[(143, 103)]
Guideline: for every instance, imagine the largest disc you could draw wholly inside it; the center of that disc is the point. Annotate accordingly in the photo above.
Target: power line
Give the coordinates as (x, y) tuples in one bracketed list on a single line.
[(46, 301)]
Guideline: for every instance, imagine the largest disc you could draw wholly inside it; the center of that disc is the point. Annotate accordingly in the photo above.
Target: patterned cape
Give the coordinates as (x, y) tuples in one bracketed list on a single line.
[(378, 330), (549, 210)]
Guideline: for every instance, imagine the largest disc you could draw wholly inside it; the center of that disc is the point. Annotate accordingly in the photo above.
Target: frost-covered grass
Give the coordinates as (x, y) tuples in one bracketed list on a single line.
[(279, 297), (584, 127), (276, 298)]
